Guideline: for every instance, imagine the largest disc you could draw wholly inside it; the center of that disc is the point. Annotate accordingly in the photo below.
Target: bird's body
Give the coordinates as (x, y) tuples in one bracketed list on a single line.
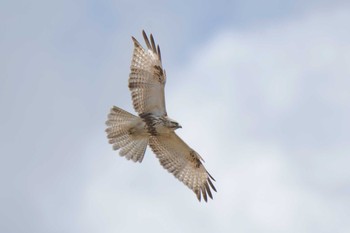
[(131, 134)]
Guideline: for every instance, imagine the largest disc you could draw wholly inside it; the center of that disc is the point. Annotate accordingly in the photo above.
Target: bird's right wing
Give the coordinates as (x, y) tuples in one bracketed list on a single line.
[(147, 79), (185, 164)]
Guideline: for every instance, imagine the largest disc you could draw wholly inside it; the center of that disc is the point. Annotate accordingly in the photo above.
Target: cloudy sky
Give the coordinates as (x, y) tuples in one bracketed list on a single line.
[(261, 89)]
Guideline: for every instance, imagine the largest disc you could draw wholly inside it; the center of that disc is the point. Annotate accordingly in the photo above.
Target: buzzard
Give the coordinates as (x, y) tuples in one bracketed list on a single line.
[(131, 134)]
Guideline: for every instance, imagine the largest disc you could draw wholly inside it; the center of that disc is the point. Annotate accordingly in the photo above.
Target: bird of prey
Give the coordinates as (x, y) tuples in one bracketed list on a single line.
[(131, 134)]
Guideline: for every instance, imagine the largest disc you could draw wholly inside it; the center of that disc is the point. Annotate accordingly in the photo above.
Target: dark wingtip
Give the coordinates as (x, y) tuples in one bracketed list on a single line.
[(211, 176), (144, 34), (153, 44), (197, 192), (208, 190), (211, 185), (136, 43), (204, 193), (159, 54), (146, 39)]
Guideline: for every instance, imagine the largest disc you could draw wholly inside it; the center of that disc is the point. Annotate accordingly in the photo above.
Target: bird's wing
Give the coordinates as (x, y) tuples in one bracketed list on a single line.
[(147, 78), (185, 164)]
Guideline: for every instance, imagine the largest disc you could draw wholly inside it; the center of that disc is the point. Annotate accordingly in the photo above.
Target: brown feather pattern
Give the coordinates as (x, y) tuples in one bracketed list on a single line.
[(183, 162), (147, 78), (132, 134)]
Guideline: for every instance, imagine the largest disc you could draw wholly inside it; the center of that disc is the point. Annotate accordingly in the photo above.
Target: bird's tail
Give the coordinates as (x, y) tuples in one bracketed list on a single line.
[(127, 133)]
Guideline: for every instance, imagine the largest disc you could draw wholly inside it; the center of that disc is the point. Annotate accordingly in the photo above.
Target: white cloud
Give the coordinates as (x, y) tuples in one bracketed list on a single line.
[(233, 98), (246, 85), (277, 98)]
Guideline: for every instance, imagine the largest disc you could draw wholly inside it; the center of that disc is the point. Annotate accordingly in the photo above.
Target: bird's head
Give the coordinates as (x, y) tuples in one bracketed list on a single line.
[(170, 123), (175, 125)]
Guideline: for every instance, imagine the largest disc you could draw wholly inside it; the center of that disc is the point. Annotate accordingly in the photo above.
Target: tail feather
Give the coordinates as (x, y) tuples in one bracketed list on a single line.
[(127, 132), (135, 150)]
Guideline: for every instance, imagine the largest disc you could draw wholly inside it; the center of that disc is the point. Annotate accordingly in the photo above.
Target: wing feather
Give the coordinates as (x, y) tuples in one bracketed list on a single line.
[(147, 78), (185, 164)]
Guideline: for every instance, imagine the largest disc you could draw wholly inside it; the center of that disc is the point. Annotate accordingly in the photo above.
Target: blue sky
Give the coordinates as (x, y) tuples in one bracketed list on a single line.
[(260, 88)]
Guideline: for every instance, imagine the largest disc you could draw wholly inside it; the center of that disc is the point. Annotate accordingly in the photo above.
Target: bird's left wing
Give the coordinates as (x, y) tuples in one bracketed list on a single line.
[(147, 78), (185, 164)]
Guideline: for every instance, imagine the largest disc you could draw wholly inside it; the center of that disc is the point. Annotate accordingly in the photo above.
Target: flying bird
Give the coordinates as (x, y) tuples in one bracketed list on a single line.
[(131, 134)]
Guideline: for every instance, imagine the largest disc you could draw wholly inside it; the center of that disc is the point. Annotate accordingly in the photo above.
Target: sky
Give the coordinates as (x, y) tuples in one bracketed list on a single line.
[(261, 89)]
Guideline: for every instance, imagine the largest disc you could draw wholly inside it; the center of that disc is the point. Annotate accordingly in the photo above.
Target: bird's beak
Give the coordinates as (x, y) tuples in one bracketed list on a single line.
[(179, 126)]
